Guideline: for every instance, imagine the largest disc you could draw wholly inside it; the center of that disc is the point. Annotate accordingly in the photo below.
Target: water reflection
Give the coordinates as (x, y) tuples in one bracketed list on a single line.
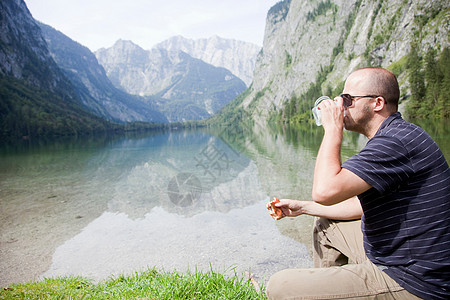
[(242, 238), (143, 226), (55, 197), (146, 167), (180, 199)]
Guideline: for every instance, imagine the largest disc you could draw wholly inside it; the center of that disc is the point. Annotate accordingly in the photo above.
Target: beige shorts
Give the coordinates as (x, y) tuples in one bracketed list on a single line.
[(341, 269)]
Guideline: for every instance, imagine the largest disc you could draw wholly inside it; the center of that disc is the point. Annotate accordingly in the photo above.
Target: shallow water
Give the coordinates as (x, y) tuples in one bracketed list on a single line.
[(177, 200)]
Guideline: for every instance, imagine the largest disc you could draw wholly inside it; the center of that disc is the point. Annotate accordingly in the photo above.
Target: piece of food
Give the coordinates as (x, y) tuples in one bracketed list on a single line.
[(274, 211)]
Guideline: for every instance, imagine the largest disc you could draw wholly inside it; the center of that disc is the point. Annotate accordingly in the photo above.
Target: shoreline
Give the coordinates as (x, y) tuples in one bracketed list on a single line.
[(21, 267)]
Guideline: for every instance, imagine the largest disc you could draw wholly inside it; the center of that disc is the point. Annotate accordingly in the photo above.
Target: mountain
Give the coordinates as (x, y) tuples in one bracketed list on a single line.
[(24, 53), (237, 56), (92, 85), (196, 90), (186, 88), (36, 98), (311, 46)]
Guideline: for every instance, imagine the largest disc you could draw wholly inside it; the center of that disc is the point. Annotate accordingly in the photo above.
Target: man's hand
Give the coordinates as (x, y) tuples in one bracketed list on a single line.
[(332, 114), (289, 208), (349, 209)]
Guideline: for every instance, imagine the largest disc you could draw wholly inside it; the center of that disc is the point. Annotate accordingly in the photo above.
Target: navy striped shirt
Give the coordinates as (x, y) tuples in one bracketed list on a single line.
[(406, 220)]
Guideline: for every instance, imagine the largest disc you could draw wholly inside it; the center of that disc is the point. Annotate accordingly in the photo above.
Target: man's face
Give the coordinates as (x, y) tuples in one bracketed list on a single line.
[(360, 113)]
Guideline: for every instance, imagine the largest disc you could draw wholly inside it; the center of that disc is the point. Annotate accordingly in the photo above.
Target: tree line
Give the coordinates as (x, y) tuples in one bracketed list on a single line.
[(27, 111), (429, 78)]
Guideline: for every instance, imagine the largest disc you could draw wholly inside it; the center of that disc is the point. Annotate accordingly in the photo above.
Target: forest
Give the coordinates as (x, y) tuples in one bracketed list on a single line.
[(27, 111)]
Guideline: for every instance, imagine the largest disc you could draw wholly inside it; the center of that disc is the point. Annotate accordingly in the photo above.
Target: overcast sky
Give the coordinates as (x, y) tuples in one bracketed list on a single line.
[(100, 23)]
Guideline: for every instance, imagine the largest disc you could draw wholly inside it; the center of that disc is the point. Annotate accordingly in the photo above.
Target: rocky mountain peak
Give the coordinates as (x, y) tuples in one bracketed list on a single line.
[(123, 51), (178, 80), (237, 56)]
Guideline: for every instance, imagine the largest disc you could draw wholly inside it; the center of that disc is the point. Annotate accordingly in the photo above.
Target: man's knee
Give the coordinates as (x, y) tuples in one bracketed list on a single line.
[(288, 283), (275, 285)]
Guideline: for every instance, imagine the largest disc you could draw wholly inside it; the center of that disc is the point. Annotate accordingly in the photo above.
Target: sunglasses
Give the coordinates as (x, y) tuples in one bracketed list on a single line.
[(348, 99)]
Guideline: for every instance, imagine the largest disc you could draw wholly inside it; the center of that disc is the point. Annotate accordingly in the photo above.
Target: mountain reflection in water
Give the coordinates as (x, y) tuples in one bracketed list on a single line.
[(174, 200), (188, 199)]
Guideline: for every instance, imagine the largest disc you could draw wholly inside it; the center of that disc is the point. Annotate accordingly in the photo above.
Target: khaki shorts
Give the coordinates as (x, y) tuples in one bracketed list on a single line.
[(341, 269)]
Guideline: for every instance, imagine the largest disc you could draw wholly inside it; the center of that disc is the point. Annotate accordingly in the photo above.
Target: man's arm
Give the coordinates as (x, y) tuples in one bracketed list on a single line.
[(349, 209), (332, 184)]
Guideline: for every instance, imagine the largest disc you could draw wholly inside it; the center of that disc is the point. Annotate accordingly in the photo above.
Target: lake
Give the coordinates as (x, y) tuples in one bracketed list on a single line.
[(191, 199)]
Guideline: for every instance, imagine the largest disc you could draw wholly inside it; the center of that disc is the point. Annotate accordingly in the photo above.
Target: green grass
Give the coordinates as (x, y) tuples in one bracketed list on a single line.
[(152, 284)]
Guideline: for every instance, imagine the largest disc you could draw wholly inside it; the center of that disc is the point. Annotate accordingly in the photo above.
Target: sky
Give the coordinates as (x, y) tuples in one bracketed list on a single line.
[(100, 23)]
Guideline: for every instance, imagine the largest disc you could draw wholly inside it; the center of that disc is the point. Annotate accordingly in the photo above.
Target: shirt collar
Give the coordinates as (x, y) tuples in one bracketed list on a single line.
[(389, 120)]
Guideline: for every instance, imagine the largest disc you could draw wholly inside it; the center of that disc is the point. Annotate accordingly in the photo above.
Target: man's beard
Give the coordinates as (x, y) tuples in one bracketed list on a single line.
[(361, 124)]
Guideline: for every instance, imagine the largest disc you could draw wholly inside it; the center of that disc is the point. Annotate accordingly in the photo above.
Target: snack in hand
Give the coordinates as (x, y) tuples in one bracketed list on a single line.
[(274, 211)]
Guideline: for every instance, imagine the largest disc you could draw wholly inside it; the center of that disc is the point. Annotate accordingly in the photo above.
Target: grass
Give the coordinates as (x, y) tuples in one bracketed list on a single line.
[(151, 284)]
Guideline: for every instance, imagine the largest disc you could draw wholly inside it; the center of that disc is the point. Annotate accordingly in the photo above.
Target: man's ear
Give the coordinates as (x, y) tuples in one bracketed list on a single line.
[(380, 103)]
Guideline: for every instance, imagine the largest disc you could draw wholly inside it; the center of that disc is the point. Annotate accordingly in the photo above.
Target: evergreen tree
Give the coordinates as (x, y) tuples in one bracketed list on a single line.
[(432, 80), (416, 80), (444, 96)]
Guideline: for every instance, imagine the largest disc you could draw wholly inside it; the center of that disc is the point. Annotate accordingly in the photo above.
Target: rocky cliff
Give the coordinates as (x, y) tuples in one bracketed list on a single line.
[(23, 52), (237, 56), (320, 42), (36, 98)]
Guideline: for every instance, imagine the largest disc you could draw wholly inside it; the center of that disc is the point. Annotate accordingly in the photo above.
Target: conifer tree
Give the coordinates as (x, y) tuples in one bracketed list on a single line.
[(432, 84), (444, 96), (416, 80)]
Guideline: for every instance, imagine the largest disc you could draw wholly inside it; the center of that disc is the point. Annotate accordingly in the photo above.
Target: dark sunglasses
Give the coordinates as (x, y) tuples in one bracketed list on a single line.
[(348, 99)]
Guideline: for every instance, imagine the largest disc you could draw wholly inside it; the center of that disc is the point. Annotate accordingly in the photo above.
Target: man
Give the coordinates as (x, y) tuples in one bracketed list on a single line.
[(402, 183)]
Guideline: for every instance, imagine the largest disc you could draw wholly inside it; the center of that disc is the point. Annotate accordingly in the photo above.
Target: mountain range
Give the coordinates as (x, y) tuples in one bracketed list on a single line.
[(237, 56), (96, 92), (52, 85), (181, 86)]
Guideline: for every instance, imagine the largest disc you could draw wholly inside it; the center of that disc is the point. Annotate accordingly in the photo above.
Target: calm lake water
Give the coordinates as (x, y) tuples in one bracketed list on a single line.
[(178, 200)]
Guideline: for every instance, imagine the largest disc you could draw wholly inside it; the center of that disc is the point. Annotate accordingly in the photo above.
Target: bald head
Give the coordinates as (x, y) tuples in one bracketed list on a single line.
[(378, 81)]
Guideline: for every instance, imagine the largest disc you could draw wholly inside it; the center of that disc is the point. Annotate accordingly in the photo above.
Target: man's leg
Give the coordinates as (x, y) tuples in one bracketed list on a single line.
[(336, 243), (352, 281), (342, 269)]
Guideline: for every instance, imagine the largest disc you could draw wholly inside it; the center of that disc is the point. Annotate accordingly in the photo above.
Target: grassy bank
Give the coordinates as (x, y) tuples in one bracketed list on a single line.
[(152, 284)]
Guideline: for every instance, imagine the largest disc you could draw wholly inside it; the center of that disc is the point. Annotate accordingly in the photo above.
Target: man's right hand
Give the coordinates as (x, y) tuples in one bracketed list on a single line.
[(292, 208), (349, 209)]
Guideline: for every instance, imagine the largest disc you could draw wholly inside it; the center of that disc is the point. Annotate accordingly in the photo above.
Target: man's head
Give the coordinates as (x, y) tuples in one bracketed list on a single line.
[(380, 91)]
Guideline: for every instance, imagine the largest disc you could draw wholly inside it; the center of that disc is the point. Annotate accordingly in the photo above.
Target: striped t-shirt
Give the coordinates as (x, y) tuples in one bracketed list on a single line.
[(406, 220)]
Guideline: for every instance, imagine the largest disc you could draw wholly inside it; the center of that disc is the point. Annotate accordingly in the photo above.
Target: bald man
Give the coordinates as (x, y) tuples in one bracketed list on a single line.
[(383, 217)]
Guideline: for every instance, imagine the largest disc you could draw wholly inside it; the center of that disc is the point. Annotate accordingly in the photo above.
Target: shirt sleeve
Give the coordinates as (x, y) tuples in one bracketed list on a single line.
[(383, 163)]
